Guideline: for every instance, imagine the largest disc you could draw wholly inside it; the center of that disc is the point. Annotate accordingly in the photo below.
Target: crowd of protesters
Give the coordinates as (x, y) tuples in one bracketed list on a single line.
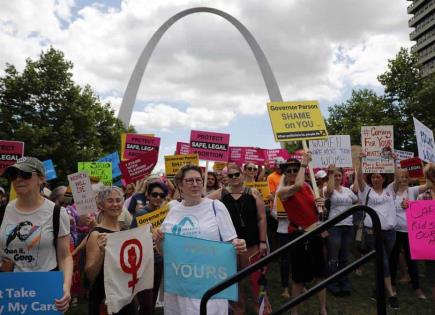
[(228, 211)]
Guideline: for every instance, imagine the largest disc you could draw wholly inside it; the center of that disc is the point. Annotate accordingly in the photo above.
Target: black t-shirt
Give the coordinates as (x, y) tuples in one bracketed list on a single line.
[(243, 212)]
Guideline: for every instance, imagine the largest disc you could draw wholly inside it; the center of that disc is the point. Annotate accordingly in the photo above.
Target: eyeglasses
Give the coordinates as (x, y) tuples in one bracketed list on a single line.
[(292, 170), (251, 169), (19, 173), (233, 175), (156, 194), (190, 181)]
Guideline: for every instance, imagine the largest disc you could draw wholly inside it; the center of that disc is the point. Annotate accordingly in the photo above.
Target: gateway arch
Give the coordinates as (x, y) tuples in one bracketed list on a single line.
[(130, 94)]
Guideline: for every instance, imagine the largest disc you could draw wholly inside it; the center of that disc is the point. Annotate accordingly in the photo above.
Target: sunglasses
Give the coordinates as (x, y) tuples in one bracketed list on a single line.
[(24, 175), (156, 194), (251, 169), (234, 175), (292, 170)]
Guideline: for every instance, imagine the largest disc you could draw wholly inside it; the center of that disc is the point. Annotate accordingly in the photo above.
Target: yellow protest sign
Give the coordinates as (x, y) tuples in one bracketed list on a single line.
[(154, 218), (12, 193), (262, 187), (219, 166), (123, 139), (174, 162), (293, 121), (280, 211)]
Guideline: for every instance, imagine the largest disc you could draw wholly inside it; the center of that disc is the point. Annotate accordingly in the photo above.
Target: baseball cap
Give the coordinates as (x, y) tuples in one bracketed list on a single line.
[(279, 160), (321, 174), (26, 164)]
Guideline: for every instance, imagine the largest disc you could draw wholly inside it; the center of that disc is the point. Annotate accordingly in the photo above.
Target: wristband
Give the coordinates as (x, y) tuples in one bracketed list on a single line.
[(264, 242), (304, 165)]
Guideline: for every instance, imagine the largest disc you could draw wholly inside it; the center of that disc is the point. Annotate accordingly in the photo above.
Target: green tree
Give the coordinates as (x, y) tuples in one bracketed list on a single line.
[(55, 117)]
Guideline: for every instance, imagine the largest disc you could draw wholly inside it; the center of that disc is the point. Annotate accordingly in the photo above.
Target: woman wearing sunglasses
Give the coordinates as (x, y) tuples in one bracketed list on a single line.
[(156, 195), (196, 217), (247, 211), (252, 173), (307, 259), (28, 228)]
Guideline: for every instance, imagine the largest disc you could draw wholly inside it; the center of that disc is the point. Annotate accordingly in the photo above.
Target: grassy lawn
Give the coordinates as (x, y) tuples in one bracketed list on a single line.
[(358, 303)]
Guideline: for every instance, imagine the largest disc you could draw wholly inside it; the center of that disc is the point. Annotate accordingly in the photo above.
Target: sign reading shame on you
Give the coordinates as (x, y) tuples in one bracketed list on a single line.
[(193, 265), (30, 292), (421, 229)]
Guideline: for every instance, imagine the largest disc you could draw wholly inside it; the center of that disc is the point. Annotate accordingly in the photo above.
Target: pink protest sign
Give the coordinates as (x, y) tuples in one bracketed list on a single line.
[(272, 154), (137, 145), (182, 148), (138, 168), (210, 146), (254, 155), (420, 216), (237, 155), (10, 152)]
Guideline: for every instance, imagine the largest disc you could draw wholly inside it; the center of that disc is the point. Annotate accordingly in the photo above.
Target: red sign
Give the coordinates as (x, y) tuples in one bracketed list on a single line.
[(241, 155), (137, 145), (271, 155), (182, 148), (10, 152), (237, 155), (414, 167), (210, 146), (138, 168)]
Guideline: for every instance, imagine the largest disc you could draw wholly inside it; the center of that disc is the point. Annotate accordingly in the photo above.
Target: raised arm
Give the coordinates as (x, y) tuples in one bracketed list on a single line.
[(286, 191), (330, 183), (359, 175)]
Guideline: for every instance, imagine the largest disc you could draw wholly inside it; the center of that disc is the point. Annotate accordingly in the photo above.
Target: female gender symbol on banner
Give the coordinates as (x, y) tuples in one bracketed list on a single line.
[(133, 260)]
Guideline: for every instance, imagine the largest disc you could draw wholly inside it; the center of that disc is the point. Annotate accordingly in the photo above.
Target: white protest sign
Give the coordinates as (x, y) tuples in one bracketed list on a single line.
[(425, 141), (402, 155), (84, 196), (334, 150), (377, 143), (128, 266)]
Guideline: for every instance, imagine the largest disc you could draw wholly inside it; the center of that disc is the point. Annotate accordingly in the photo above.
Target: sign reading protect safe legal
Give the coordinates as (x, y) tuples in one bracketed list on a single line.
[(30, 292), (421, 229), (210, 146), (10, 152), (137, 145), (174, 162), (297, 121)]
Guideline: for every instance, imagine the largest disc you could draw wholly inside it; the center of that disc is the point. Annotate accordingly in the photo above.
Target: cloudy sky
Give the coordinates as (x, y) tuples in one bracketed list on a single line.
[(202, 74)]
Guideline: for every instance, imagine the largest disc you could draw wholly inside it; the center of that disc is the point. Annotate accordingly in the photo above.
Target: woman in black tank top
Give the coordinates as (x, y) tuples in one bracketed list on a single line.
[(110, 201)]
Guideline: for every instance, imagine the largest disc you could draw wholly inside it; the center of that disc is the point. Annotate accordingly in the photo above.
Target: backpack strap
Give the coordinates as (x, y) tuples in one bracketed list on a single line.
[(224, 192), (214, 210), (56, 224), (2, 213)]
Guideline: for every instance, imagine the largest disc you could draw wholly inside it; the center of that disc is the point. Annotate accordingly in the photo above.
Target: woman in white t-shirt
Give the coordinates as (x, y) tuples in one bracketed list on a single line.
[(380, 198), (404, 193), (341, 235), (195, 217), (27, 229)]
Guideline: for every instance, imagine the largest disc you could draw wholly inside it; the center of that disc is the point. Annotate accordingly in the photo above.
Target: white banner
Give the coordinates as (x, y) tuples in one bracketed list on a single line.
[(84, 196), (425, 141), (403, 155), (334, 150), (378, 143), (128, 266)]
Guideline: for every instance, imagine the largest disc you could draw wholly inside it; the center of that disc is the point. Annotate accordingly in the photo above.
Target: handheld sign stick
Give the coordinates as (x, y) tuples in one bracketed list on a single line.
[(205, 177), (313, 179)]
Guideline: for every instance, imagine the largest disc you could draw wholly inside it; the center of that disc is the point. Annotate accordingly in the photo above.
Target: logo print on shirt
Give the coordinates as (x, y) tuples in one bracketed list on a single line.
[(188, 226)]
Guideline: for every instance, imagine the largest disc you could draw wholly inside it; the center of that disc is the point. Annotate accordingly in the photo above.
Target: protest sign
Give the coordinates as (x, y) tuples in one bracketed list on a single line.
[(174, 162), (254, 155), (210, 146), (262, 187), (182, 148), (334, 150), (271, 154), (293, 121), (10, 152), (236, 155), (100, 170), (137, 145), (128, 266), (219, 166), (30, 292), (84, 196), (414, 167), (425, 141), (50, 172), (138, 168), (123, 139), (113, 158), (377, 143), (403, 155), (192, 266), (155, 218), (420, 216)]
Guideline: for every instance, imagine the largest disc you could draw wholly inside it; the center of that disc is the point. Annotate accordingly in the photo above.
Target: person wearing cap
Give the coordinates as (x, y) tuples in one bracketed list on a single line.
[(321, 179), (307, 258), (27, 228)]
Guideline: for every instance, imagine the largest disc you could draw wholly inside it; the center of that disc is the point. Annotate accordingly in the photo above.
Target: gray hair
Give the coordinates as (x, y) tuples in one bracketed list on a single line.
[(105, 191)]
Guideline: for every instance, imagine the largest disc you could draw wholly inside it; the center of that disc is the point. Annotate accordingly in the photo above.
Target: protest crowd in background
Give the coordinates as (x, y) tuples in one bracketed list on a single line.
[(129, 242)]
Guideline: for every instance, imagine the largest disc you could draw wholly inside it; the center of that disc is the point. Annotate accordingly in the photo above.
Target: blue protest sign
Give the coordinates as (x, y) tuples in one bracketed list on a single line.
[(114, 159), (192, 266), (50, 172), (30, 292)]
